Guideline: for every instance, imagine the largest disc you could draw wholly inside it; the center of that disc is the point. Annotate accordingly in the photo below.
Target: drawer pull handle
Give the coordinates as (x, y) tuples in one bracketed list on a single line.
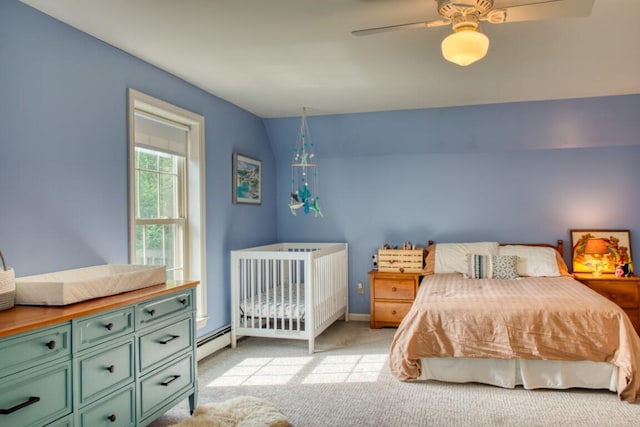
[(111, 368), (168, 340), (109, 326), (51, 344), (31, 401), (112, 418), (393, 289), (183, 301), (393, 312), (151, 312), (167, 382)]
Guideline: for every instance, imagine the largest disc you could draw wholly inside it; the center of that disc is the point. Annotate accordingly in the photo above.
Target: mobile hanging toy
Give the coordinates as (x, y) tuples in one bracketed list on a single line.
[(304, 173)]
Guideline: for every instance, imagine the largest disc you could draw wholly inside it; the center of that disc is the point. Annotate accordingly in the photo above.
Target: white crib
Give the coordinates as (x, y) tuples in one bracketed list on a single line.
[(288, 290)]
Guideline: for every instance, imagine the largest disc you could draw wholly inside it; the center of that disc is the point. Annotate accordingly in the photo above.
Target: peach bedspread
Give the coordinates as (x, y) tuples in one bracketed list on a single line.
[(539, 318)]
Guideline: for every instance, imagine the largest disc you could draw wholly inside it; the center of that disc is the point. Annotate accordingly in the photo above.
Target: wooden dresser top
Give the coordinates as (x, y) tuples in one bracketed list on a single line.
[(22, 318)]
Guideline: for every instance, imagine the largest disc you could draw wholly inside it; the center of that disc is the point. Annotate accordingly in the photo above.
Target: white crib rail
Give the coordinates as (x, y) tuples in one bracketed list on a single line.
[(269, 285)]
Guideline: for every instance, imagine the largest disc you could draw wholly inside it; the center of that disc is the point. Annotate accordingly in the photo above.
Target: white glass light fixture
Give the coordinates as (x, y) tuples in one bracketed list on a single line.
[(465, 46)]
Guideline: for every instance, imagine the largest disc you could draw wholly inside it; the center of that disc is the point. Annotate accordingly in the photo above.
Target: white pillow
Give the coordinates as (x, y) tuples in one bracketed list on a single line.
[(452, 257), (533, 260)]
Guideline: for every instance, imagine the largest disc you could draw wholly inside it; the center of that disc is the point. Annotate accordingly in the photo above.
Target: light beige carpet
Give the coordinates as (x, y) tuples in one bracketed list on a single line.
[(242, 411), (347, 382)]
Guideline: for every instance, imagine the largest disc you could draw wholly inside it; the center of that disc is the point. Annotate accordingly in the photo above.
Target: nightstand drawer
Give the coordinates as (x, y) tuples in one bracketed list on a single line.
[(626, 296), (105, 370), (634, 316), (158, 309), (98, 329), (392, 295), (26, 350), (391, 312), (394, 289)]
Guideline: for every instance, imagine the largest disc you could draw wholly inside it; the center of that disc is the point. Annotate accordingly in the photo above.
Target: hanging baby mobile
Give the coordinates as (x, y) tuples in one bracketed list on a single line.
[(304, 173)]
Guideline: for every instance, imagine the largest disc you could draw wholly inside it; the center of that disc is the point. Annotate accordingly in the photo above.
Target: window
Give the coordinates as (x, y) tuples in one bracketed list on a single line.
[(166, 179), (159, 191)]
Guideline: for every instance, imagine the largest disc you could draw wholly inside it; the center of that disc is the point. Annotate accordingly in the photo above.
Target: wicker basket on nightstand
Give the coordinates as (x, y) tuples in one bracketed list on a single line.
[(401, 260)]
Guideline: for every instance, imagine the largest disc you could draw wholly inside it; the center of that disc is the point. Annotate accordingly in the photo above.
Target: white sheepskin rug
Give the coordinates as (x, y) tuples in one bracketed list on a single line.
[(243, 411)]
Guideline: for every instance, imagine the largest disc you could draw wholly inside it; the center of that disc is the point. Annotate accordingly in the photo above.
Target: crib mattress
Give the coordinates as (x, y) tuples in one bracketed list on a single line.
[(280, 302)]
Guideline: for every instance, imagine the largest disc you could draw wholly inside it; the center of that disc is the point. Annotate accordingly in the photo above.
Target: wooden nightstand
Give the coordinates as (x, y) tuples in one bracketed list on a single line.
[(621, 290), (391, 296)]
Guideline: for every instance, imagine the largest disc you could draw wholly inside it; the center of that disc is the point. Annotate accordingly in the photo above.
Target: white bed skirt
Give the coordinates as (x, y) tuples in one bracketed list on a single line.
[(531, 374)]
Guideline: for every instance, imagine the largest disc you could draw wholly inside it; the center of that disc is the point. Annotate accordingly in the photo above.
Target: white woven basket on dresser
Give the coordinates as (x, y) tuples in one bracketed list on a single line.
[(7, 285)]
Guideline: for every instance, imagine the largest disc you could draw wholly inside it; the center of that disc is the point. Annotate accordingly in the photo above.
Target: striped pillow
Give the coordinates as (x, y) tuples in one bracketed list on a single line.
[(479, 266), (492, 267)]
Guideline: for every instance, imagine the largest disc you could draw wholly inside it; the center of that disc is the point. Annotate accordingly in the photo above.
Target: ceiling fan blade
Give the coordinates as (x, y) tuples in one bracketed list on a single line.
[(424, 24), (550, 9)]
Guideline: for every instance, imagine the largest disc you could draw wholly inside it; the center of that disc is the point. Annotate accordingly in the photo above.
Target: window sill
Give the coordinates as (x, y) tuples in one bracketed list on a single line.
[(201, 322)]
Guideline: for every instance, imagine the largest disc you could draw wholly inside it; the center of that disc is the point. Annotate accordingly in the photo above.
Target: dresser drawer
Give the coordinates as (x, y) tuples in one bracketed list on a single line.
[(63, 422), (158, 387), (394, 289), (164, 342), (29, 349), (625, 295), (41, 396), (116, 410), (106, 370), (161, 308), (94, 330), (391, 312)]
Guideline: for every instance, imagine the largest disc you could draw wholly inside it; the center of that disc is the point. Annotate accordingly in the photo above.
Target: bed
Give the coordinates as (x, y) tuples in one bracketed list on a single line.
[(510, 315), (288, 290)]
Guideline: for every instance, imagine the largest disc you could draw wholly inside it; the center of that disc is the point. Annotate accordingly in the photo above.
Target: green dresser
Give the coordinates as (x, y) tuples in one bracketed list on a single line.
[(122, 360)]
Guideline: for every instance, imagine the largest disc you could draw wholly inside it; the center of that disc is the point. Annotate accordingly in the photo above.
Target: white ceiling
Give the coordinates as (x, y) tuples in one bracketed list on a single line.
[(272, 57)]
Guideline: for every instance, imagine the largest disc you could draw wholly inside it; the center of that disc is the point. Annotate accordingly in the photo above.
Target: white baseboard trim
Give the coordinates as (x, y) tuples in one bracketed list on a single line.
[(210, 347), (359, 317)]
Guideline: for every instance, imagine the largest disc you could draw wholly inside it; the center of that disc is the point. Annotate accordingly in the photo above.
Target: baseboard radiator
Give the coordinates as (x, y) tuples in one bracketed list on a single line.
[(214, 341)]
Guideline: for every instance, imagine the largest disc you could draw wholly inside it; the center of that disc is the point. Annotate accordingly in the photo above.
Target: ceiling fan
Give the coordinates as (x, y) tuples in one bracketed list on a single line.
[(467, 44)]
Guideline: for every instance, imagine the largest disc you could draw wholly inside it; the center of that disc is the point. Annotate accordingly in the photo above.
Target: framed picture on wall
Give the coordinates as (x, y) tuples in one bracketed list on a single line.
[(610, 248), (247, 180)]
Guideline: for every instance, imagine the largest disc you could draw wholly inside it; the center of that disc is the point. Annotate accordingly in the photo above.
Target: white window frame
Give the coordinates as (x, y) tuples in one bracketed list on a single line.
[(195, 236)]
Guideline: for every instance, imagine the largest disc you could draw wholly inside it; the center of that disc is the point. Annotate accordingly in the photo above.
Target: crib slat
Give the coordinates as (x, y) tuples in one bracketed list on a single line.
[(245, 281)]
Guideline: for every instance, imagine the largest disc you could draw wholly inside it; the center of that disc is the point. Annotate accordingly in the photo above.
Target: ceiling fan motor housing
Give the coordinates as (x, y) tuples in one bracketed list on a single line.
[(454, 10)]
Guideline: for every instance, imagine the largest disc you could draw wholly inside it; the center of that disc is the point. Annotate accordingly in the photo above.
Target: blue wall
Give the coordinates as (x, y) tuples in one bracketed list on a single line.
[(63, 153), (507, 172), (524, 172)]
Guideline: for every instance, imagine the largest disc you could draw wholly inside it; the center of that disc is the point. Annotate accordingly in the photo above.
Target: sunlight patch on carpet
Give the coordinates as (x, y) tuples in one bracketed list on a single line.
[(347, 369), (261, 371)]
